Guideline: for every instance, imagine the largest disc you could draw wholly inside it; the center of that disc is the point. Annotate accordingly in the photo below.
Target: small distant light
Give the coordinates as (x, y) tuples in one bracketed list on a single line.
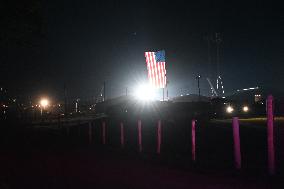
[(90, 108), (229, 109), (245, 108), (187, 94), (181, 95)]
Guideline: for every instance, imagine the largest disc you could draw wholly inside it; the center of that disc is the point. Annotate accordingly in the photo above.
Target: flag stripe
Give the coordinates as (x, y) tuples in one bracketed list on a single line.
[(156, 70)]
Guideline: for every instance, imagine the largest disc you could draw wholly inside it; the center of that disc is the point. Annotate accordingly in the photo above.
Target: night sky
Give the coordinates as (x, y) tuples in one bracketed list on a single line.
[(46, 44)]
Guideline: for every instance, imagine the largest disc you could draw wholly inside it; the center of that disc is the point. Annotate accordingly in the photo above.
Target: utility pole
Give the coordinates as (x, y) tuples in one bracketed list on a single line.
[(198, 78), (104, 97), (167, 83), (65, 100), (218, 42), (208, 38)]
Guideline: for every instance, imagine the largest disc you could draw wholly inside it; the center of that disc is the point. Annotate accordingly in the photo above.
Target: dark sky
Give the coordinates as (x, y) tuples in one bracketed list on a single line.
[(45, 44)]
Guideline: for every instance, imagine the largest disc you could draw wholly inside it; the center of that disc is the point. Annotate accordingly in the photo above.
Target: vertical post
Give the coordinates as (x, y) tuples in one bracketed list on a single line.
[(104, 132), (163, 94), (167, 94), (193, 140), (104, 97), (237, 147), (121, 135), (198, 78), (270, 135), (159, 136), (90, 133), (140, 135), (65, 101)]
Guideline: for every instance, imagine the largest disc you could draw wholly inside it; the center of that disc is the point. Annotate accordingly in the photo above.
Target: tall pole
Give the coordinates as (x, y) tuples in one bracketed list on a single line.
[(209, 57), (65, 100), (163, 94), (167, 94), (104, 97), (218, 42), (198, 78), (167, 83)]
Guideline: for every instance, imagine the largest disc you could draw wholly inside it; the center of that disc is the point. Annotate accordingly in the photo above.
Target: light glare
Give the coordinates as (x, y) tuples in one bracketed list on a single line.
[(144, 92), (44, 102)]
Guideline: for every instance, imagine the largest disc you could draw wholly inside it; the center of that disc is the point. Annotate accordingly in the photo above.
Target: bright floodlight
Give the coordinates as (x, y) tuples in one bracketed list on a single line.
[(44, 102), (245, 108), (144, 92), (229, 109)]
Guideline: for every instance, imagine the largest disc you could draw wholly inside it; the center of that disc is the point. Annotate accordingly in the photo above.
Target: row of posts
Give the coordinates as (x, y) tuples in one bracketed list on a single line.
[(270, 139), (122, 141), (236, 137)]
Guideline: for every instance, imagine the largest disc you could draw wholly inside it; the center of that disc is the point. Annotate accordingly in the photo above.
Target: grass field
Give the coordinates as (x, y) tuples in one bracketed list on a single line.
[(260, 120)]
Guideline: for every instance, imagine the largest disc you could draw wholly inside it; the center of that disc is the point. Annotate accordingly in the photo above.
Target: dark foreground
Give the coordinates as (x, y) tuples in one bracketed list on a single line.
[(45, 158), (81, 169)]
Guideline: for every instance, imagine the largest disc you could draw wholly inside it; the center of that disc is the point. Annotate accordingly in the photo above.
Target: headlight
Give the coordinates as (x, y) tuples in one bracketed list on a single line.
[(245, 108), (229, 109)]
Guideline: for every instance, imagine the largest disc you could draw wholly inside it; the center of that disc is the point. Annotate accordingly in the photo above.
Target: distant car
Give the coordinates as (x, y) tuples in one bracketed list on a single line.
[(225, 108)]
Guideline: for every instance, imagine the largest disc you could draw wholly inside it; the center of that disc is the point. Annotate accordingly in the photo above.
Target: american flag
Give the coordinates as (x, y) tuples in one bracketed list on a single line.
[(156, 66)]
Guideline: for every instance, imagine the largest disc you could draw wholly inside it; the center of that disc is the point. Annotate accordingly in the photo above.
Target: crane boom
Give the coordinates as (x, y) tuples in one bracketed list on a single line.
[(212, 88)]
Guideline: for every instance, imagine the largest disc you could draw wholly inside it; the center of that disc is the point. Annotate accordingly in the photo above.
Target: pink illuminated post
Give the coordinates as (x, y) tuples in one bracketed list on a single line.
[(159, 137), (237, 147), (139, 135), (90, 133), (270, 135), (193, 140), (121, 135), (104, 132)]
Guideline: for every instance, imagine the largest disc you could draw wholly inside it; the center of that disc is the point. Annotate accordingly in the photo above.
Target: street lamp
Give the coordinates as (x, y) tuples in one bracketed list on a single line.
[(198, 78), (44, 102)]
